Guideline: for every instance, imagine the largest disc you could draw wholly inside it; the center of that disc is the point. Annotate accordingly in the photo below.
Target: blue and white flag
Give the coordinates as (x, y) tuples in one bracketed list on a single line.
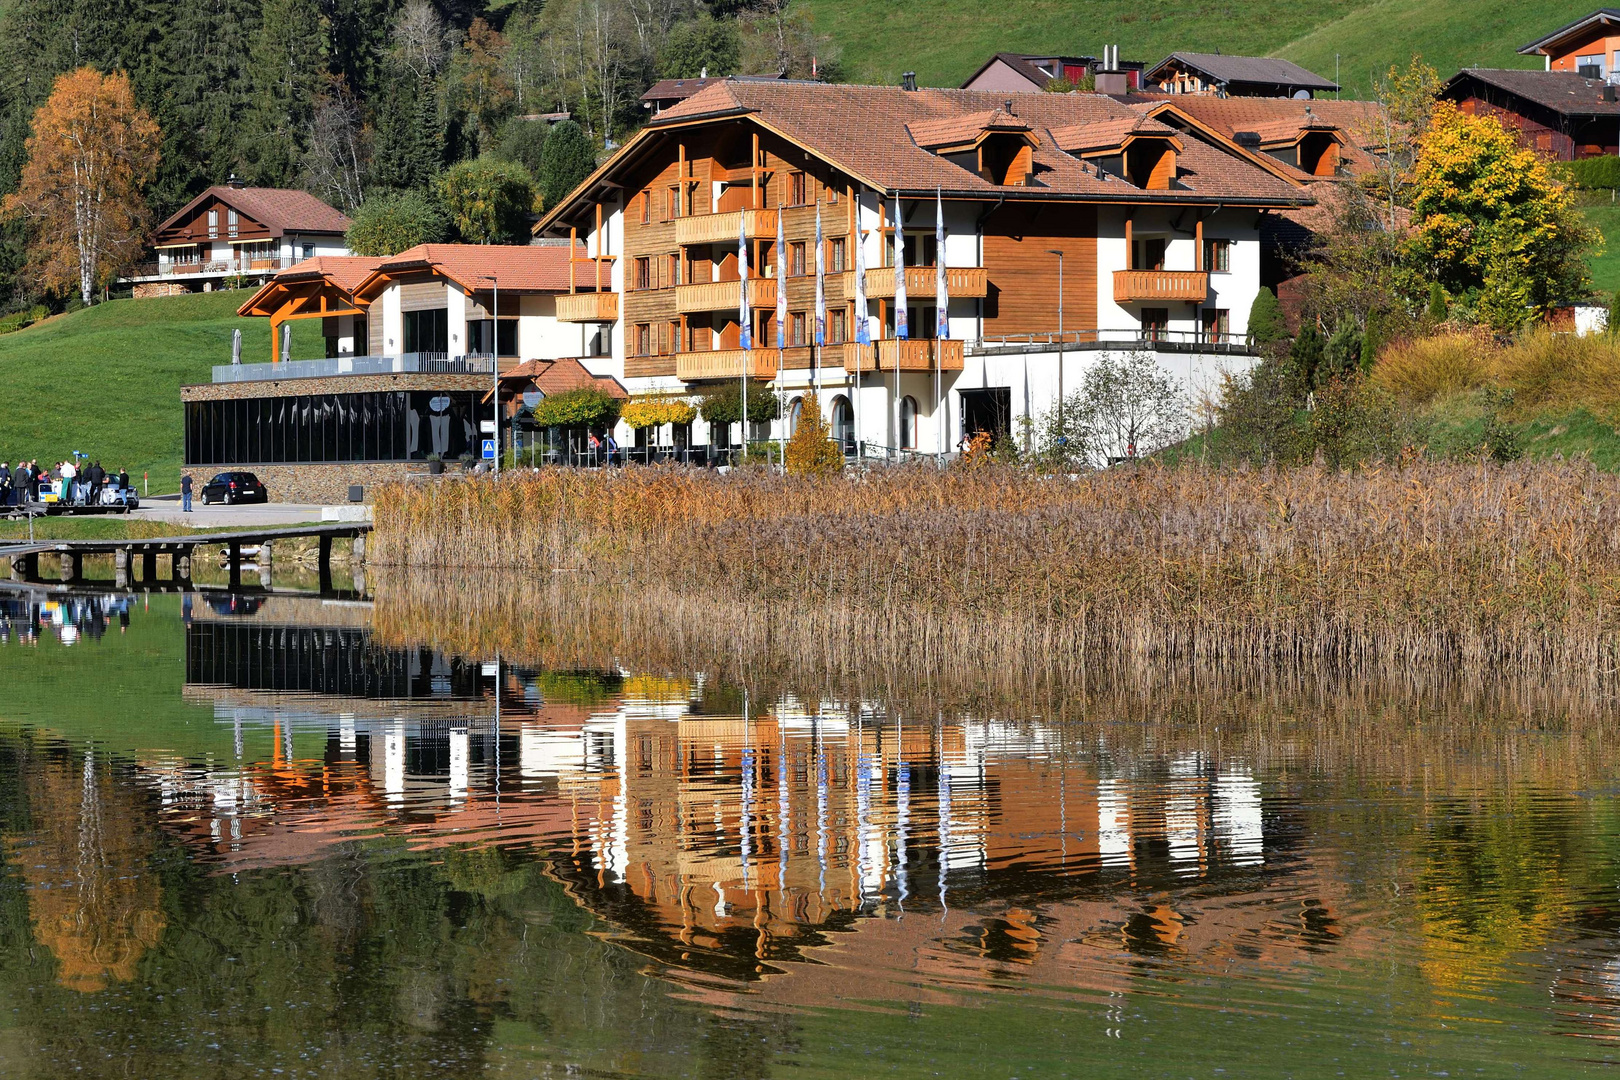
[(821, 282), (745, 332), (863, 332), (781, 286), (901, 330), (942, 296)]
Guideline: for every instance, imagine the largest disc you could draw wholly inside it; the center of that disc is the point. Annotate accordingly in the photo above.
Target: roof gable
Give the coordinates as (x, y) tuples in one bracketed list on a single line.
[(1545, 46), (1265, 70), (1561, 92), (278, 210)]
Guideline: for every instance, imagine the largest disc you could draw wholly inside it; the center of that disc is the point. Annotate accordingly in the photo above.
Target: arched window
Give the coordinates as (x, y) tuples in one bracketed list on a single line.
[(908, 423), (795, 411), (843, 424)]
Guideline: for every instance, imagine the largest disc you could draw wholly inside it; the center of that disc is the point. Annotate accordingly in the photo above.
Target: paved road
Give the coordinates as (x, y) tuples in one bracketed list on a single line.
[(245, 516)]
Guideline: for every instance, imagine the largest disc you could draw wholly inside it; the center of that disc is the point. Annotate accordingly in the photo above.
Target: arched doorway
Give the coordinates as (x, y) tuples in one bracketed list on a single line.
[(843, 424), (908, 423), (795, 412)]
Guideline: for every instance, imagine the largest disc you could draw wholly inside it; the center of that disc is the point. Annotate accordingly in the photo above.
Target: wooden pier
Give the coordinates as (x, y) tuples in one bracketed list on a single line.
[(177, 551)]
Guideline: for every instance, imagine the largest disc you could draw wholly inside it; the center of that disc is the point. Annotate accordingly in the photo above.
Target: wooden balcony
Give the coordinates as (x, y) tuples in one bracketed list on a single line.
[(725, 228), (917, 355), (724, 295), (1147, 286), (963, 281), (588, 307), (726, 364)]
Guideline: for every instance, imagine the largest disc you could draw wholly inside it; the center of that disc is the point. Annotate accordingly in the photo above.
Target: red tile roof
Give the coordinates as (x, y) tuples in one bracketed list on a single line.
[(1108, 134), (344, 271), (866, 131), (1356, 121), (955, 131), (281, 210), (515, 267), (559, 376)]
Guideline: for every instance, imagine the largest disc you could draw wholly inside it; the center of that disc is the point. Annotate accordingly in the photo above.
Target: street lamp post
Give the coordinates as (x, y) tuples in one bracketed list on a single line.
[(495, 366), (1063, 434)]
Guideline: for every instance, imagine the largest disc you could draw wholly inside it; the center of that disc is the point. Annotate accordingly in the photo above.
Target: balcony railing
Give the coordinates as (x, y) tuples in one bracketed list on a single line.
[(917, 355), (964, 281), (724, 295), (1188, 286), (159, 270), (1149, 339), (726, 364), (408, 363), (588, 307), (725, 228)]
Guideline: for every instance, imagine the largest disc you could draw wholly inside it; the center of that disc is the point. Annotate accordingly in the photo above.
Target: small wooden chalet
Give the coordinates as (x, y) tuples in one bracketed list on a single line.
[(1234, 76), (235, 231)]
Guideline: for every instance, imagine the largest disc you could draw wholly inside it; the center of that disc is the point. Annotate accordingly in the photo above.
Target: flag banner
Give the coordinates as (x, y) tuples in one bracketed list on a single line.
[(745, 332), (942, 296), (821, 282), (863, 332), (901, 330), (781, 286)]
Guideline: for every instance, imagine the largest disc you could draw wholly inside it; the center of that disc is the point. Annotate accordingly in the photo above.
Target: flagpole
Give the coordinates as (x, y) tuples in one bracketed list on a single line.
[(942, 318), (781, 340), (902, 330), (745, 332), (863, 330), (821, 291)]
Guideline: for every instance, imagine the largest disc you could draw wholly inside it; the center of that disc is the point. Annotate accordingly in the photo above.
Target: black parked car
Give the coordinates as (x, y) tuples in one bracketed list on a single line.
[(234, 487)]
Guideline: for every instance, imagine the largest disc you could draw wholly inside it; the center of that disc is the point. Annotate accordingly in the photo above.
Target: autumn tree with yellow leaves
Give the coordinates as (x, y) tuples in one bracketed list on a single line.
[(91, 153), (1490, 218)]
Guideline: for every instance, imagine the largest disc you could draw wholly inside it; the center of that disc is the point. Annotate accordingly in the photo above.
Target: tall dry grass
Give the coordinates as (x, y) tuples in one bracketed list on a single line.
[(1492, 568), (1544, 369)]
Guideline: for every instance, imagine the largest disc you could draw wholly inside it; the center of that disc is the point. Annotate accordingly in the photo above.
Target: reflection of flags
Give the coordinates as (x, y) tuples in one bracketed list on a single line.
[(745, 333), (863, 333), (901, 330), (942, 296), (821, 283), (781, 286)]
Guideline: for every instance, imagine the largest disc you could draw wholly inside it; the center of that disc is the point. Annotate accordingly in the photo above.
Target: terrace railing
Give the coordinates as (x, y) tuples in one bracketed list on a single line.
[(407, 363)]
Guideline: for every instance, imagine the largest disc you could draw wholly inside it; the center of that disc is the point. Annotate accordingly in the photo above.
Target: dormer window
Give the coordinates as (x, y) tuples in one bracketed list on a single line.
[(996, 145), (1137, 149)]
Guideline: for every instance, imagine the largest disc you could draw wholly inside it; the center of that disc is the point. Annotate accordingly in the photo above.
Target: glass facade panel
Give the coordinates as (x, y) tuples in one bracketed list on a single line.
[(388, 426)]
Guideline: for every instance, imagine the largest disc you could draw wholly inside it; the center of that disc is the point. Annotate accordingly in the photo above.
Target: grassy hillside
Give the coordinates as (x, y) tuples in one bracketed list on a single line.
[(107, 380), (944, 41)]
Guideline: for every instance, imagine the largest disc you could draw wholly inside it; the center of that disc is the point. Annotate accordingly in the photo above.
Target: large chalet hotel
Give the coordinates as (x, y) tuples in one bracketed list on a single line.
[(1074, 224), (1149, 218)]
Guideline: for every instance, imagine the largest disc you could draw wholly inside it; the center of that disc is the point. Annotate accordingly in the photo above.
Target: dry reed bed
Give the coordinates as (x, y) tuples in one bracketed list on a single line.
[(1497, 568), (1436, 726)]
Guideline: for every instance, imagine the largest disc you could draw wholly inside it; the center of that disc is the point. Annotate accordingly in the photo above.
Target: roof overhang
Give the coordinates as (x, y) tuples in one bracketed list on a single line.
[(1543, 46), (302, 296)]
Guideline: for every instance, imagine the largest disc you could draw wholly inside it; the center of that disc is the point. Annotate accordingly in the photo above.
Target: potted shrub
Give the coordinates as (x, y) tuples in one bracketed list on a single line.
[(435, 464)]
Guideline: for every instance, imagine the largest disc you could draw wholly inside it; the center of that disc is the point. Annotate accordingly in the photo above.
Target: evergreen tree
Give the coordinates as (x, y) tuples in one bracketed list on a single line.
[(1437, 302), (1266, 323), (488, 200), (569, 159), (1341, 354), (705, 44), (1306, 353), (287, 70)]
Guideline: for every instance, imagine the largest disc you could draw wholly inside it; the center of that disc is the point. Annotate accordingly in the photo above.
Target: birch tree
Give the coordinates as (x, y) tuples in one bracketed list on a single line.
[(91, 152)]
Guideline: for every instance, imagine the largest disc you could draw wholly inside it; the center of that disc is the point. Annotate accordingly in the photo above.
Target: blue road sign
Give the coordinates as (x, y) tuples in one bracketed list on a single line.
[(489, 449)]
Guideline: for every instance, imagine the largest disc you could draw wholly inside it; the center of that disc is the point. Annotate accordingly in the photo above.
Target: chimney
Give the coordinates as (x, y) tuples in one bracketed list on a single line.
[(908, 81), (704, 73), (234, 181), (1112, 82), (1249, 140), (1608, 92), (1006, 107)]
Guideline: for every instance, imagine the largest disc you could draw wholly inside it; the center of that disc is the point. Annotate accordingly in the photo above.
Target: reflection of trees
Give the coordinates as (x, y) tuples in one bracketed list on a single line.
[(93, 899), (373, 961)]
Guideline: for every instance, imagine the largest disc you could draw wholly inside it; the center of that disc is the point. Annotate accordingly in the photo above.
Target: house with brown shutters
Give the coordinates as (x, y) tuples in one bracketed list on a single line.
[(1126, 226), (232, 231), (1220, 75), (1564, 114)]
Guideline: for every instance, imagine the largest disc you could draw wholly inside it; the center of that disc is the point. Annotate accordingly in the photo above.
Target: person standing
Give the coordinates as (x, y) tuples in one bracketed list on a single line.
[(69, 476), (185, 493), (5, 484), (97, 476), (123, 477)]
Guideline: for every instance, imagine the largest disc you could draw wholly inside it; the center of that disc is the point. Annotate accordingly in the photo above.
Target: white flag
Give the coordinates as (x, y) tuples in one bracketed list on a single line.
[(821, 283), (901, 331), (863, 333), (745, 333), (781, 286), (942, 296)]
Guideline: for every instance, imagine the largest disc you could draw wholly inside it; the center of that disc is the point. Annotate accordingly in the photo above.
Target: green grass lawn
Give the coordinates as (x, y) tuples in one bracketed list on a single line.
[(106, 380), (945, 41), (1605, 216)]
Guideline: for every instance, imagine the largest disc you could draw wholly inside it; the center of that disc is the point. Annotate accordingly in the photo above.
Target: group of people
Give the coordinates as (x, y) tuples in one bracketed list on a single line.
[(75, 484)]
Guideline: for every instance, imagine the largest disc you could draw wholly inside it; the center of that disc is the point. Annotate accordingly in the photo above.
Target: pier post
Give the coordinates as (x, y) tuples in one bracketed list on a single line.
[(326, 563), (70, 566), (148, 566), (121, 567), (236, 564)]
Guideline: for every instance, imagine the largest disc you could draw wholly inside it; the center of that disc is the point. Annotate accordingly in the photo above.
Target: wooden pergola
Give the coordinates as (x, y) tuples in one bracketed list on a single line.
[(314, 296)]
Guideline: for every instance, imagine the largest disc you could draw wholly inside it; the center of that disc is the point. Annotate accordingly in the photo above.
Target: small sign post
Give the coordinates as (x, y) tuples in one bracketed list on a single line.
[(489, 449)]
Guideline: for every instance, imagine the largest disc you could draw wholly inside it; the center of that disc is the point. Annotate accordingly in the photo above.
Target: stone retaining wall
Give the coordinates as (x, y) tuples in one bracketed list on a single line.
[(326, 484)]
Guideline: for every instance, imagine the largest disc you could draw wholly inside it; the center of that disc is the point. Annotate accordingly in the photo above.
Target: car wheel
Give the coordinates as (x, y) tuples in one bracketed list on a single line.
[(230, 500)]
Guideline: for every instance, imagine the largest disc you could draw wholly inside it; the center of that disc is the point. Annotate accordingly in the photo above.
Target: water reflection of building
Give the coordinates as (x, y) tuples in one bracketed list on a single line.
[(735, 844)]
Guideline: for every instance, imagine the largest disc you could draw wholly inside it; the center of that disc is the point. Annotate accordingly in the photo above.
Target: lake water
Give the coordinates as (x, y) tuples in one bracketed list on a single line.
[(248, 837)]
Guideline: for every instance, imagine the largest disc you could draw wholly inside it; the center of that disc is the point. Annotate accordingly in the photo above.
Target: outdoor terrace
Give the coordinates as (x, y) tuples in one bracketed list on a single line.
[(407, 363)]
